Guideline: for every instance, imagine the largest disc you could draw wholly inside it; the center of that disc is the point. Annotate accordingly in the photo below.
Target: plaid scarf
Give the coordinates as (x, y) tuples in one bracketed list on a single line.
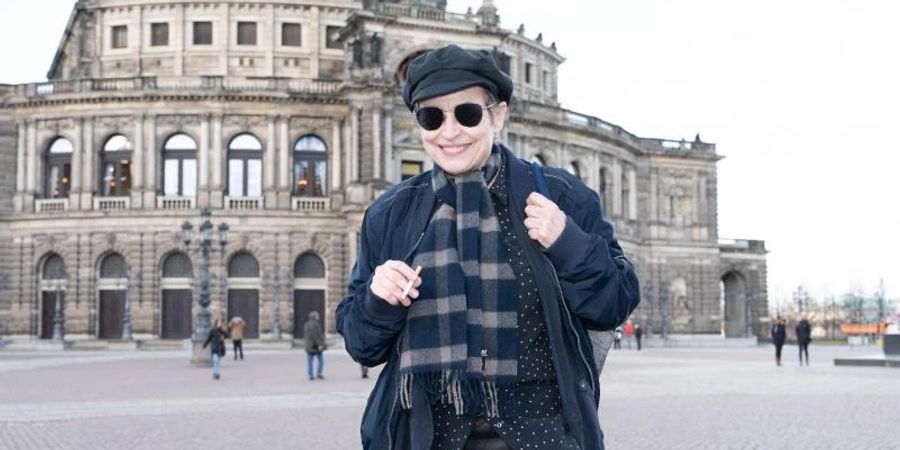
[(459, 343)]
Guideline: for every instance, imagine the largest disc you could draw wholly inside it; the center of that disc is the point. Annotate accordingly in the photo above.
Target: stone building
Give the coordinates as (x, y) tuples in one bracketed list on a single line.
[(284, 119)]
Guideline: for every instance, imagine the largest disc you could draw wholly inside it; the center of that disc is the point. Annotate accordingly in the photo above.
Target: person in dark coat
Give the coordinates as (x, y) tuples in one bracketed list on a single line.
[(314, 340), (216, 341), (804, 336), (511, 260), (778, 336)]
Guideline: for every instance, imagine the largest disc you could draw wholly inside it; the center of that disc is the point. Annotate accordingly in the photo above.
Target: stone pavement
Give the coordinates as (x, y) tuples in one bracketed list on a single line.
[(658, 398)]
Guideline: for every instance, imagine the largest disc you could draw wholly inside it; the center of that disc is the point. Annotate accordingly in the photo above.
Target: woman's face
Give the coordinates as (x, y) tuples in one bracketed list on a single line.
[(458, 149)]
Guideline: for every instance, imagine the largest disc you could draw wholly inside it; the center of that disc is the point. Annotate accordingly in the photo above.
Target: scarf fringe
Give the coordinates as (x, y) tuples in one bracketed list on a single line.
[(467, 395)]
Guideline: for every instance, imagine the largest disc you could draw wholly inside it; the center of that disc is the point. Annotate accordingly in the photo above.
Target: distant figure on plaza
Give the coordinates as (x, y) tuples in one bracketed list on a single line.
[(804, 336), (778, 337), (628, 330), (364, 370), (638, 334), (236, 329), (314, 338), (216, 341), (617, 338), (476, 282)]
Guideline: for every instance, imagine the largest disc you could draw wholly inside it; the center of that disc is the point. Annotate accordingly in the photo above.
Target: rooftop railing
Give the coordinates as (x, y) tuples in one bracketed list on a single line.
[(422, 13), (163, 84), (553, 114)]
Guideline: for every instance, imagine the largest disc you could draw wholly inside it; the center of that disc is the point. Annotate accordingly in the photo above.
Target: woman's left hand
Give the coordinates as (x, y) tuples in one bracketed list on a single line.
[(544, 220)]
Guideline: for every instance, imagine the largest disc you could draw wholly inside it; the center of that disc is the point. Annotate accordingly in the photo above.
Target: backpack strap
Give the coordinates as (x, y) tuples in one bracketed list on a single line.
[(538, 171)]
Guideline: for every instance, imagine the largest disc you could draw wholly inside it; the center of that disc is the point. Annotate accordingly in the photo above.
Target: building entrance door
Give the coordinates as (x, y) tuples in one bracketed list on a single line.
[(245, 303), (112, 308), (176, 314), (306, 301), (48, 309)]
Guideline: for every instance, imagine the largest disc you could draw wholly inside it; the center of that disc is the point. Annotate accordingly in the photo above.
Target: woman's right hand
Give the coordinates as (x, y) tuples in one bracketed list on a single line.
[(391, 278)]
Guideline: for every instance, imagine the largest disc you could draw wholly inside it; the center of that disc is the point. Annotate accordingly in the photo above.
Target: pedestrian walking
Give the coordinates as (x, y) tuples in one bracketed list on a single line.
[(512, 259), (216, 342), (804, 336), (617, 340), (364, 370), (638, 334), (236, 330), (628, 331), (778, 336), (314, 340)]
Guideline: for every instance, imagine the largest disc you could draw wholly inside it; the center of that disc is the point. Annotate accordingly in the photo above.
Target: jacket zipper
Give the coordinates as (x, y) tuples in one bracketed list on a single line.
[(572, 326)]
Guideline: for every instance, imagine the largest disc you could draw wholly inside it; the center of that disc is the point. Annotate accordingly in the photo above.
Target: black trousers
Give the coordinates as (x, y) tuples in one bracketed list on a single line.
[(778, 351), (483, 437), (238, 346), (804, 349)]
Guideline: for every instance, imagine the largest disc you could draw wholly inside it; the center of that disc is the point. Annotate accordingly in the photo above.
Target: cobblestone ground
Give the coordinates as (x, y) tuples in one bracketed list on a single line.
[(658, 398)]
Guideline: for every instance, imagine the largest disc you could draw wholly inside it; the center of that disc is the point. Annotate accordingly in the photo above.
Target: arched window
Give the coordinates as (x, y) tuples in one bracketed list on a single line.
[(626, 196), (116, 175), (113, 266), (244, 166), (308, 265), (177, 265), (310, 167), (180, 166), (243, 265), (54, 268), (58, 165)]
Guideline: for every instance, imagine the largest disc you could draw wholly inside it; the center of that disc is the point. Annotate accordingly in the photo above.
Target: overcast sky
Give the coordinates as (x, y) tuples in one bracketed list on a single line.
[(800, 96)]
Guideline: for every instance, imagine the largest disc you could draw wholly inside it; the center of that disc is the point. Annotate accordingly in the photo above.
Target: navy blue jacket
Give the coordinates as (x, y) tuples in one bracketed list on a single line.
[(589, 284)]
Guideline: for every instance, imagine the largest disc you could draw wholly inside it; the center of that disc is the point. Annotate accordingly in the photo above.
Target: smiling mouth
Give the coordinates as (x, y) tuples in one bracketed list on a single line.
[(455, 149)]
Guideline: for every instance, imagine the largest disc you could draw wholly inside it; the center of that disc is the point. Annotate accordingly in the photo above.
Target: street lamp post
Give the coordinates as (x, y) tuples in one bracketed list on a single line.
[(202, 324), (126, 316)]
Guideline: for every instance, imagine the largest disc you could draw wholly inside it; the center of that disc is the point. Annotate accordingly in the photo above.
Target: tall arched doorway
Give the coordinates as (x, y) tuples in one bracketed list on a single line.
[(734, 305), (53, 292), (177, 273), (112, 284), (243, 292), (309, 290)]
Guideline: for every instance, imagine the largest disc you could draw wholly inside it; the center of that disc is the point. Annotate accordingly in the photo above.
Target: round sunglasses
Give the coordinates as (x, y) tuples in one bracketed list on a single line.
[(468, 115)]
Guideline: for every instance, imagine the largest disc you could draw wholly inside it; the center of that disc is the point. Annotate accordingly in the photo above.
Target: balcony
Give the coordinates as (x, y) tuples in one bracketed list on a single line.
[(175, 84), (51, 205), (111, 203), (317, 204), (244, 203), (175, 203)]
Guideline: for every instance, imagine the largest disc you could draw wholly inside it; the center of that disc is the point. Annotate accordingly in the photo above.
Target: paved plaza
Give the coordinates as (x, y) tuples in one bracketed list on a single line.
[(658, 398)]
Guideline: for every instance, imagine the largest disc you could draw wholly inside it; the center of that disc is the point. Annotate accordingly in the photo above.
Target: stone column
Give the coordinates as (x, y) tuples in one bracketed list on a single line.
[(76, 183), (137, 164), (216, 155), (336, 147), (269, 192), (89, 155), (354, 144), (203, 166), (314, 34), (21, 130), (346, 149), (284, 161), (179, 32), (150, 152), (390, 163), (31, 156), (376, 143), (617, 188)]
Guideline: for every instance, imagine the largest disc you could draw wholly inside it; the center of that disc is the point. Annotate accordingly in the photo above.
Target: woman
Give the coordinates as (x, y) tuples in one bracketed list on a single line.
[(507, 274), (217, 337)]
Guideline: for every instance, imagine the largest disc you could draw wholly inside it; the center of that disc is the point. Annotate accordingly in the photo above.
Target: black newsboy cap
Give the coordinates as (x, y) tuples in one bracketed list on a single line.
[(449, 69)]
